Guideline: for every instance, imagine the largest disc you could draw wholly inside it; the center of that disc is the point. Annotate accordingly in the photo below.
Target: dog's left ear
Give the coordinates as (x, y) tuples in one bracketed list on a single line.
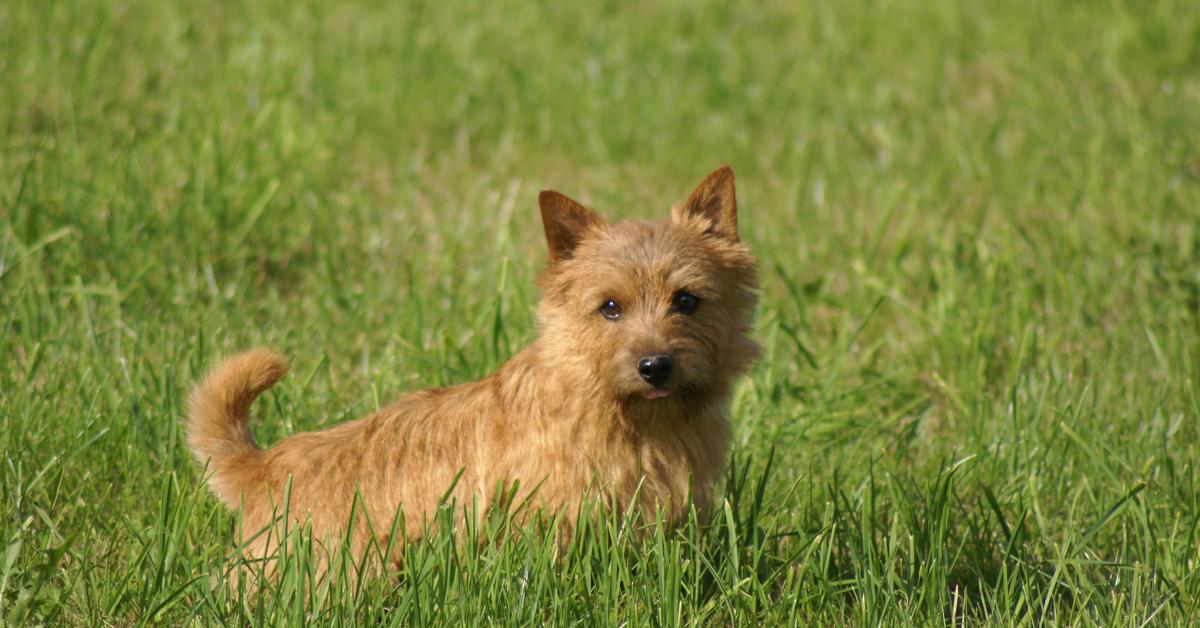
[(565, 221), (713, 204)]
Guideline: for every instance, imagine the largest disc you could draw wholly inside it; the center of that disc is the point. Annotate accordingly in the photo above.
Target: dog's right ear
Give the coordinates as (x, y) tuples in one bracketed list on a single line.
[(565, 222)]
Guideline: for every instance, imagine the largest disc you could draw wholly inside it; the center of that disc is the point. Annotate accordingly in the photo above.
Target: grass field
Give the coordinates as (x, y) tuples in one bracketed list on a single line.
[(979, 232)]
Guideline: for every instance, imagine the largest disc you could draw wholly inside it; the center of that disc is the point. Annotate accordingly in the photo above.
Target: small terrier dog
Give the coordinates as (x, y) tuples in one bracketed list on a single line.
[(622, 398)]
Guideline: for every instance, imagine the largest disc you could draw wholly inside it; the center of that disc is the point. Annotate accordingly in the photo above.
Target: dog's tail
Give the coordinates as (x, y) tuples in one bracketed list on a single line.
[(218, 430)]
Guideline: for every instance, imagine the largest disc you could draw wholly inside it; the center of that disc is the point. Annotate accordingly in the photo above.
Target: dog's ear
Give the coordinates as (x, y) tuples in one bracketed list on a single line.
[(565, 222), (712, 204)]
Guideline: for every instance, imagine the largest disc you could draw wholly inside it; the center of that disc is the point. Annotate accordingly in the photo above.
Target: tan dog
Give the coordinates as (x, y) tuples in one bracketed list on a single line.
[(623, 396)]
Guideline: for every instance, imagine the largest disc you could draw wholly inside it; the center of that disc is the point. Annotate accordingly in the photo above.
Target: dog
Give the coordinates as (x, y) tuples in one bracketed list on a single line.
[(623, 398)]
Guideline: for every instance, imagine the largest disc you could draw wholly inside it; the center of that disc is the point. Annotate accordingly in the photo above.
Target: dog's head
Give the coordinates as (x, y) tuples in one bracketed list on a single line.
[(650, 312)]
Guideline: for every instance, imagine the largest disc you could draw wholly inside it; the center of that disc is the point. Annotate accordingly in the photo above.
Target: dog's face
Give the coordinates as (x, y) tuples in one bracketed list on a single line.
[(655, 313)]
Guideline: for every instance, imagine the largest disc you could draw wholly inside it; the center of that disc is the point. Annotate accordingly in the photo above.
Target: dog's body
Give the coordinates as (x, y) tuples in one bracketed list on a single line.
[(624, 396)]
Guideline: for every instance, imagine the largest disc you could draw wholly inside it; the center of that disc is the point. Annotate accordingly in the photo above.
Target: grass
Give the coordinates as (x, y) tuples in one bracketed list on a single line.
[(979, 234)]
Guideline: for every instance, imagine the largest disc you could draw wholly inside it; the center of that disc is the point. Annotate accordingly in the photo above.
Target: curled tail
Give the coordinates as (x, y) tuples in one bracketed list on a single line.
[(218, 430)]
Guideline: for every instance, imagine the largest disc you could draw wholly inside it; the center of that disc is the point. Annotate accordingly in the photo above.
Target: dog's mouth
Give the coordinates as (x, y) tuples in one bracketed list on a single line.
[(656, 393)]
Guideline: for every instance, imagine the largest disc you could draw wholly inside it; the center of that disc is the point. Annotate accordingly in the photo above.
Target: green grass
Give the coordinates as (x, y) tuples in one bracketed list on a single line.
[(979, 232)]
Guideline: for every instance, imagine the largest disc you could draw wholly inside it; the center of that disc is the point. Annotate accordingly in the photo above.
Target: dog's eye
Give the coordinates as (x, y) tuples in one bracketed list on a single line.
[(611, 310), (685, 302)]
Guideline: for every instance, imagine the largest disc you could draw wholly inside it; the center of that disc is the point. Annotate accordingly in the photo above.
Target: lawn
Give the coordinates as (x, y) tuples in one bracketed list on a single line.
[(978, 227)]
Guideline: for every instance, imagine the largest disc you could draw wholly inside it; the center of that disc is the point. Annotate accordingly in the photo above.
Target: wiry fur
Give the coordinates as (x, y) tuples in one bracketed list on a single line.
[(565, 418)]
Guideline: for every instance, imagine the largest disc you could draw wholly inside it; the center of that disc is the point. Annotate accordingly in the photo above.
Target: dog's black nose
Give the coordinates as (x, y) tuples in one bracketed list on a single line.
[(655, 369)]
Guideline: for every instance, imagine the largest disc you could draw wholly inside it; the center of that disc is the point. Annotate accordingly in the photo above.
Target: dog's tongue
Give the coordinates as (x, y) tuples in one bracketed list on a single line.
[(656, 393)]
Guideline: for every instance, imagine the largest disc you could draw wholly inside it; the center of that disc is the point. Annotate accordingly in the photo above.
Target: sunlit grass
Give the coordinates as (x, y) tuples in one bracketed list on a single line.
[(979, 233)]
